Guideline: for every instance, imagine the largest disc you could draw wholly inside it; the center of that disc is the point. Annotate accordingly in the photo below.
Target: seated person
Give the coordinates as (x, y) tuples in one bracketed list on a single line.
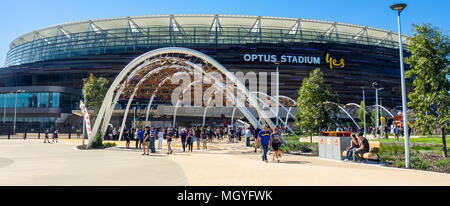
[(363, 148), (353, 146)]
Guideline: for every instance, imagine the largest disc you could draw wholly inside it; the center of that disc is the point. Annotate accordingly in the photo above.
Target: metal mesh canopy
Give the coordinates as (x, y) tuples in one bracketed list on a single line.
[(328, 28)]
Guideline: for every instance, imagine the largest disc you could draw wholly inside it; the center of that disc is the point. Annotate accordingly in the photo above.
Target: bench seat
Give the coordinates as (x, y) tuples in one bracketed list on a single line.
[(373, 151)]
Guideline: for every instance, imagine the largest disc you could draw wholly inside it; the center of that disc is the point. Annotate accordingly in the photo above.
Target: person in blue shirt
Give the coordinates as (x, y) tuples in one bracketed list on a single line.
[(263, 137), (257, 130), (140, 134)]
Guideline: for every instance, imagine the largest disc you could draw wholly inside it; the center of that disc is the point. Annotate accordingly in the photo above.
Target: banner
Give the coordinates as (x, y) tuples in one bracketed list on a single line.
[(86, 118)]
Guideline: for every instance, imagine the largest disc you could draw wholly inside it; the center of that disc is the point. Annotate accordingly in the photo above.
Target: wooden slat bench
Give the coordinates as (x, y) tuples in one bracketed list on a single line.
[(373, 151)]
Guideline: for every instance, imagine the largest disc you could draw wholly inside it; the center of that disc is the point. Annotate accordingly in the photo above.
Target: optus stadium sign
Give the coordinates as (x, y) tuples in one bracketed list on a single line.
[(294, 59)]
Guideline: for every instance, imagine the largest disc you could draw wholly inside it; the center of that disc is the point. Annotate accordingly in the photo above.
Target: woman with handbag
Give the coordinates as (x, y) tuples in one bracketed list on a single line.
[(276, 140)]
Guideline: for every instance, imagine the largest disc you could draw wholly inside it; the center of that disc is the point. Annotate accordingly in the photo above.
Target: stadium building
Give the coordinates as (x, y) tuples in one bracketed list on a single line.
[(44, 70)]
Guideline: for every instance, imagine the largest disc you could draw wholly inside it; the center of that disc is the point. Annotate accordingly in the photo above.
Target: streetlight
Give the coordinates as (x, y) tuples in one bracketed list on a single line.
[(364, 112), (277, 92), (375, 86), (15, 110), (399, 8)]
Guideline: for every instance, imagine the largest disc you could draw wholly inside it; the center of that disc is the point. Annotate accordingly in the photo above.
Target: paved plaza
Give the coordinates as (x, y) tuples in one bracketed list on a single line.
[(31, 162)]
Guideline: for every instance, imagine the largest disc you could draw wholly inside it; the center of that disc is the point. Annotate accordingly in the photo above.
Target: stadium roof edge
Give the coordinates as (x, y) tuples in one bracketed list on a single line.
[(377, 32)]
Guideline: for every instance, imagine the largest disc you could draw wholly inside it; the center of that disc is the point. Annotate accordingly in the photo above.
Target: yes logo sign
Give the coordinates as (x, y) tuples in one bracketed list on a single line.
[(333, 63)]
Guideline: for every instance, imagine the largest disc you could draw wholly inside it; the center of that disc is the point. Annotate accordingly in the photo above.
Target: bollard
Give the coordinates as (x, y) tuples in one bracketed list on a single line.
[(70, 132), (39, 134), (9, 134), (25, 135)]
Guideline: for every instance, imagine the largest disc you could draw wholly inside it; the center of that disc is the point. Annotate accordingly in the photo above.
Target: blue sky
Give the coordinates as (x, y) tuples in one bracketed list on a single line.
[(18, 17)]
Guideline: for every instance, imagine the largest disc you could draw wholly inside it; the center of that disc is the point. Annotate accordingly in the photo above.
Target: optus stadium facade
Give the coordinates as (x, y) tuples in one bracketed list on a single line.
[(45, 68)]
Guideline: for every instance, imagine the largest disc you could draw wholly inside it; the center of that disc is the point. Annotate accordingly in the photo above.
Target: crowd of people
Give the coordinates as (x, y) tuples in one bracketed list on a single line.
[(146, 138)]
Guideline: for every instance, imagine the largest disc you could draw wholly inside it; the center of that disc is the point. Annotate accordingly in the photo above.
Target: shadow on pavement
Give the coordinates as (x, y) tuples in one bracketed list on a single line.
[(293, 162)]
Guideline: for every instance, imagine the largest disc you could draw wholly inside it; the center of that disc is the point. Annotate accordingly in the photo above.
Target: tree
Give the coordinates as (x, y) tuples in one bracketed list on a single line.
[(361, 116), (315, 109), (96, 89), (373, 118), (430, 68)]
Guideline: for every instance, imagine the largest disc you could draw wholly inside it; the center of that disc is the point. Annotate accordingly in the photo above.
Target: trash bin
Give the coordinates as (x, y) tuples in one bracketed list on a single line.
[(332, 147)]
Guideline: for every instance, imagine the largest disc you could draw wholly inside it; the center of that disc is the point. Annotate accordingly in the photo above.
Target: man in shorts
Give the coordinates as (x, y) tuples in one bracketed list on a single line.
[(170, 135), (46, 140), (204, 137), (146, 141)]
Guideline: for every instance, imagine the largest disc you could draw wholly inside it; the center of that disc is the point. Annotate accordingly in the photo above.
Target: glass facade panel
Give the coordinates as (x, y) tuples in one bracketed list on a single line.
[(43, 100), (39, 100)]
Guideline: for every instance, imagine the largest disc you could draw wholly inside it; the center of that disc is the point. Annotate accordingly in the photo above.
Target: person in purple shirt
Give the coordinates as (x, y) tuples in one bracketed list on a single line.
[(263, 137)]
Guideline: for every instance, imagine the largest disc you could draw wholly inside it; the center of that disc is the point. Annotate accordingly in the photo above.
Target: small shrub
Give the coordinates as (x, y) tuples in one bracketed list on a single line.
[(98, 139), (399, 163), (442, 163), (386, 158), (420, 164), (109, 144)]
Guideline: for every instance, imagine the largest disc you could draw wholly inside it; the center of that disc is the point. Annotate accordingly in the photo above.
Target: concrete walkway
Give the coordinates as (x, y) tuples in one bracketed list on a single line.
[(31, 162)]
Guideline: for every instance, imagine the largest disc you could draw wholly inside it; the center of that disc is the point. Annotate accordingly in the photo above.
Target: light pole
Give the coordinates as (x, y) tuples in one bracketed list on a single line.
[(399, 8), (15, 111), (374, 85), (277, 92), (381, 117), (134, 117), (364, 112)]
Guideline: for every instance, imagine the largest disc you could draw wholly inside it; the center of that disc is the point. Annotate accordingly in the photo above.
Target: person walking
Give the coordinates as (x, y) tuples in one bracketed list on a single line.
[(115, 134), (275, 141), (146, 142), (239, 133), (204, 136), (78, 133), (131, 134), (264, 137), (197, 137), (232, 133), (396, 134), (170, 135), (127, 138), (210, 134), (55, 136), (183, 136), (160, 138), (248, 134), (152, 139), (140, 139), (190, 140), (46, 140), (256, 135)]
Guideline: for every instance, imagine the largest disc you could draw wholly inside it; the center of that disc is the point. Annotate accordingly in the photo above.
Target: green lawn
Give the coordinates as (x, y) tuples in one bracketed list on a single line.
[(424, 140)]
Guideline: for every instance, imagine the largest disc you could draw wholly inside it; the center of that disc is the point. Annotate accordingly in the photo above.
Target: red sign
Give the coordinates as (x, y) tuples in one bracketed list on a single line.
[(321, 140)]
